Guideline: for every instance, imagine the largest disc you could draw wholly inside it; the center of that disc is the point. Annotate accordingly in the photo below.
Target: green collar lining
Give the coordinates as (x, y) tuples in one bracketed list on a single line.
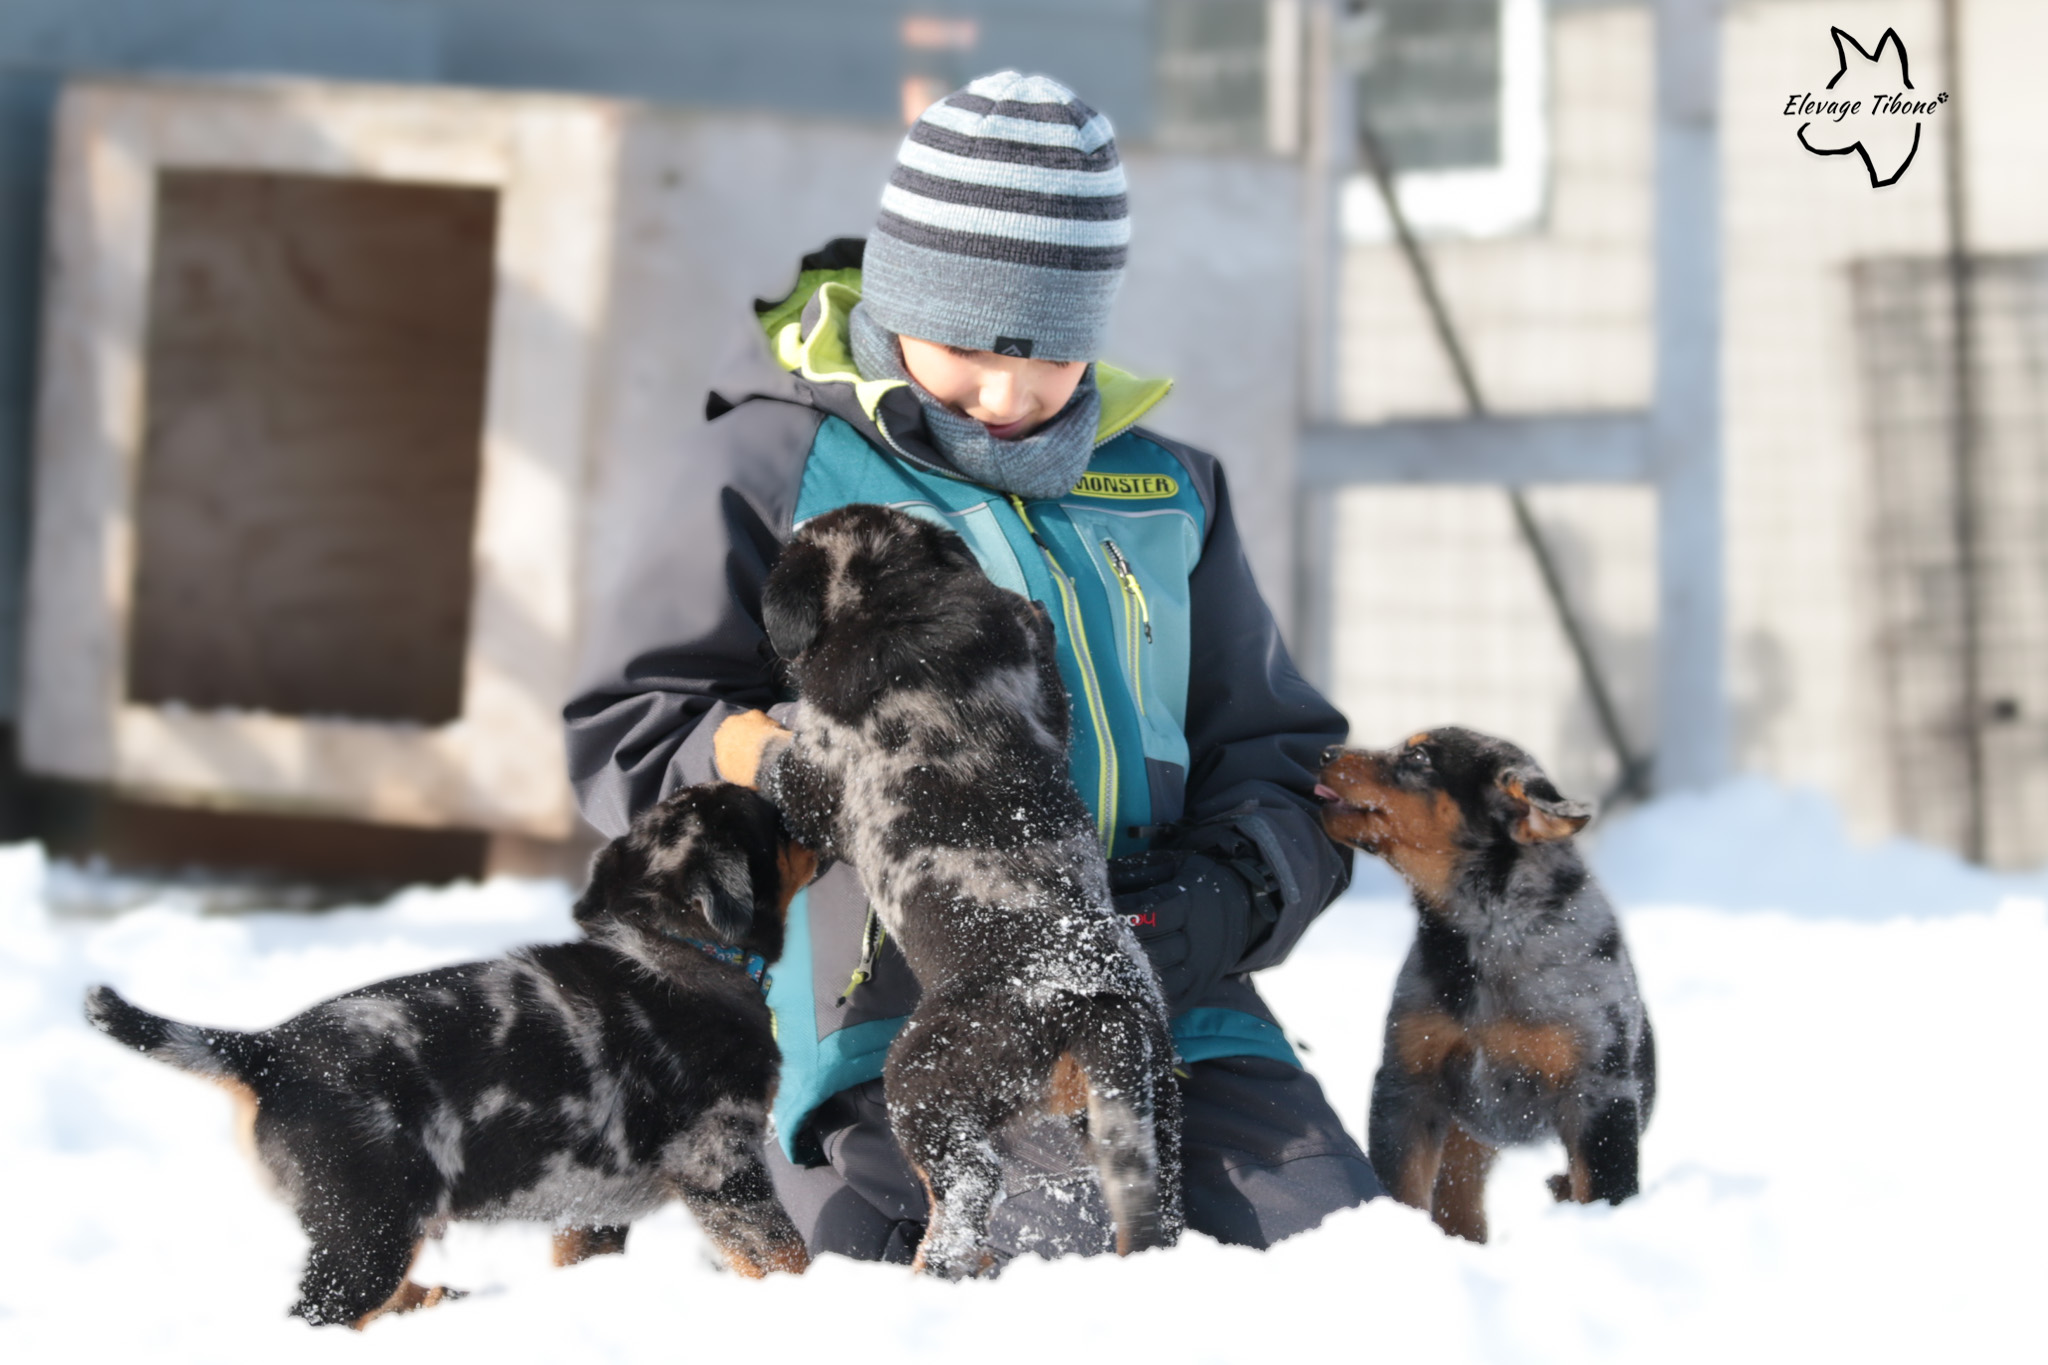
[(825, 356)]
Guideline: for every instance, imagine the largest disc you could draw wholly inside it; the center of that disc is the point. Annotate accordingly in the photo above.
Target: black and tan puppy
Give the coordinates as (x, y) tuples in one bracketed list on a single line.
[(1516, 1015), (930, 752), (581, 1084)]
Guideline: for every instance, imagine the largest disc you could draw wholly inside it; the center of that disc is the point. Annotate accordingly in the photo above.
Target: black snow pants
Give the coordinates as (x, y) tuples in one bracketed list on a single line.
[(1265, 1157)]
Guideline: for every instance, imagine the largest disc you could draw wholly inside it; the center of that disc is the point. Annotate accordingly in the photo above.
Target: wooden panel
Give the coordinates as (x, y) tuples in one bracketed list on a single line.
[(134, 835), (496, 763), (316, 356)]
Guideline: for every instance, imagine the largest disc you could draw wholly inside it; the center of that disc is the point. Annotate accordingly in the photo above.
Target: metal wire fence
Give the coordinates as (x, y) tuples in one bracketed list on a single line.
[(1960, 473)]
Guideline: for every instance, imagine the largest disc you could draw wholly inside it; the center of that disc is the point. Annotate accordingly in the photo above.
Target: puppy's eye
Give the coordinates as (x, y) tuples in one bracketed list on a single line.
[(1417, 759)]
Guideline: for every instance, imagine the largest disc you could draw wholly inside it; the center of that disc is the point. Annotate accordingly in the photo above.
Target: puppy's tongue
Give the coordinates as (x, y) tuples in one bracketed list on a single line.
[(1324, 793)]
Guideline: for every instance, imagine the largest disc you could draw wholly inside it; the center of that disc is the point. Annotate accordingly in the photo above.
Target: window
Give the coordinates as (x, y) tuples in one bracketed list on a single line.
[(1454, 91), (1210, 72)]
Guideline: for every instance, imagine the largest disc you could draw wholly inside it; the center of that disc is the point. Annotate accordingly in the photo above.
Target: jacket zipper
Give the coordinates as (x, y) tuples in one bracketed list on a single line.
[(1098, 713), (1136, 616)]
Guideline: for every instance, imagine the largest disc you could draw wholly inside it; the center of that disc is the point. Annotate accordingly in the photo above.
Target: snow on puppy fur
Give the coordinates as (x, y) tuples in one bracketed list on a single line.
[(929, 707), (1792, 1201)]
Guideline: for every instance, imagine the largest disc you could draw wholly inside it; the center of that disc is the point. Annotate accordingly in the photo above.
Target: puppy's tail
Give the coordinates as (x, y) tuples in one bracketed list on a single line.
[(1133, 1121), (217, 1053)]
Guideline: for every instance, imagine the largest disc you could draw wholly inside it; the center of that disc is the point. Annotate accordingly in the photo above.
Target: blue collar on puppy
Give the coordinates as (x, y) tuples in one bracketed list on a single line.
[(753, 964)]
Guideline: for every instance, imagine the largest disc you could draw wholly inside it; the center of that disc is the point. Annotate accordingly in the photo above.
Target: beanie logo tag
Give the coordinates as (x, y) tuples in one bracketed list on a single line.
[(1019, 347)]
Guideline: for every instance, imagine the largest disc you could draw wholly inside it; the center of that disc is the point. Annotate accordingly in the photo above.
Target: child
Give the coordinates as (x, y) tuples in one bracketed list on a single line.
[(949, 366)]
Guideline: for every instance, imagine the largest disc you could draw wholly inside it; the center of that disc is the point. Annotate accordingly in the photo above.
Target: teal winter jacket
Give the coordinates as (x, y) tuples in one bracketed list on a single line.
[(1185, 705)]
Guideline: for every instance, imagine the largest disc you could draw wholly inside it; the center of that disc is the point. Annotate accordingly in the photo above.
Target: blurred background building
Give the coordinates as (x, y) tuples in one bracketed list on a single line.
[(330, 329)]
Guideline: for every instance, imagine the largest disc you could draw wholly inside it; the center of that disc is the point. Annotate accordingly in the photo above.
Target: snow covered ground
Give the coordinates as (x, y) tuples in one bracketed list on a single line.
[(1842, 1166)]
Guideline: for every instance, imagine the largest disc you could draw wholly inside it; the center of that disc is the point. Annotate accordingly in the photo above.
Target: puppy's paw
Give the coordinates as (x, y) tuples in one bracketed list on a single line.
[(955, 1262), (572, 1245), (791, 1258), (409, 1298), (426, 1296)]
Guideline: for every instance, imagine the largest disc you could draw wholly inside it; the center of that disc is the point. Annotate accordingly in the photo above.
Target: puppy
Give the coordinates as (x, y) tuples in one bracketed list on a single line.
[(581, 1084), (1516, 1014), (930, 752)]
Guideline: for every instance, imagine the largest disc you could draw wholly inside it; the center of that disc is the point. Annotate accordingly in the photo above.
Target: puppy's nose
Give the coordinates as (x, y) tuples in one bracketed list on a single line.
[(1332, 754)]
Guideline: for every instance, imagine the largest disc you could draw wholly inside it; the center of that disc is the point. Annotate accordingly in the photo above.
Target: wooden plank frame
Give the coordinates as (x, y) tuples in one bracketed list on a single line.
[(553, 162), (1596, 447)]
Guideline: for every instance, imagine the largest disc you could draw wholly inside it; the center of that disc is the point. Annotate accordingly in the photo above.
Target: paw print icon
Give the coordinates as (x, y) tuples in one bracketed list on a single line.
[(1869, 108)]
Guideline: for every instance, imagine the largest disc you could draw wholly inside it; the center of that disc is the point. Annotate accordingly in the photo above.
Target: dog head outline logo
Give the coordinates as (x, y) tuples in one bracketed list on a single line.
[(1872, 127)]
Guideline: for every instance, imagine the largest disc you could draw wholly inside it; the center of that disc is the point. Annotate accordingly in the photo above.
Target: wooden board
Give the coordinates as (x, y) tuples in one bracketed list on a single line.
[(316, 358)]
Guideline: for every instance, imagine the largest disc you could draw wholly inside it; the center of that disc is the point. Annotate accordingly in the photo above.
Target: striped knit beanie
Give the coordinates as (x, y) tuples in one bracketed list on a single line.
[(1004, 225)]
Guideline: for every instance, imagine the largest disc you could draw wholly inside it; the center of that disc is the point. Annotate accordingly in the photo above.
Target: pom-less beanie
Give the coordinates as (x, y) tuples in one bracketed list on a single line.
[(1004, 225)]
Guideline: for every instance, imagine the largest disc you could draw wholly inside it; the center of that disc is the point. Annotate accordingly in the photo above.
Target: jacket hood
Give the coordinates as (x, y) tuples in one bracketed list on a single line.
[(809, 360)]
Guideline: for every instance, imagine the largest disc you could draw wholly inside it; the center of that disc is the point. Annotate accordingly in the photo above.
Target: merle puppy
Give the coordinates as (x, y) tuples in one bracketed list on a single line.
[(1516, 1014), (930, 752), (581, 1084)]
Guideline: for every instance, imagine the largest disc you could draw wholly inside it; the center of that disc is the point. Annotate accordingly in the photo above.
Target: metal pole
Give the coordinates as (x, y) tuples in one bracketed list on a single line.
[(1325, 157), (1685, 416), (1633, 778), (1963, 438)]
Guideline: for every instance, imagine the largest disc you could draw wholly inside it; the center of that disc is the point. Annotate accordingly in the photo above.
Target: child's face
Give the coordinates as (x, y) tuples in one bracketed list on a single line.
[(1010, 396)]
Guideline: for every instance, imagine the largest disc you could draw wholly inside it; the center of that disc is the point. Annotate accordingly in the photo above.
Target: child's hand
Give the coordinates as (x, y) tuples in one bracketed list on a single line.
[(736, 748)]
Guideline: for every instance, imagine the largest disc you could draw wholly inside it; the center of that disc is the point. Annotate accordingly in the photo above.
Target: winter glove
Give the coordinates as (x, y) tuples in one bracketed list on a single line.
[(1197, 909)]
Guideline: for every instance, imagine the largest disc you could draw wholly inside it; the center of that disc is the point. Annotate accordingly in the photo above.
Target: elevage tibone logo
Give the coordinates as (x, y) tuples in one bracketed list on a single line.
[(1869, 108)]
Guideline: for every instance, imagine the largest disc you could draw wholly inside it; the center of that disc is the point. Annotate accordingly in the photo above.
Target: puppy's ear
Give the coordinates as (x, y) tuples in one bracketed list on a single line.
[(1038, 625), (613, 873), (1537, 814), (951, 550), (1052, 691), (719, 886), (793, 603), (696, 861)]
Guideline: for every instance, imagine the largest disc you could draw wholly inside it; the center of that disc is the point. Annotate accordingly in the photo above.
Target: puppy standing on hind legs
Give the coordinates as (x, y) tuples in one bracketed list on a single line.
[(930, 752), (1516, 1014), (582, 1084)]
